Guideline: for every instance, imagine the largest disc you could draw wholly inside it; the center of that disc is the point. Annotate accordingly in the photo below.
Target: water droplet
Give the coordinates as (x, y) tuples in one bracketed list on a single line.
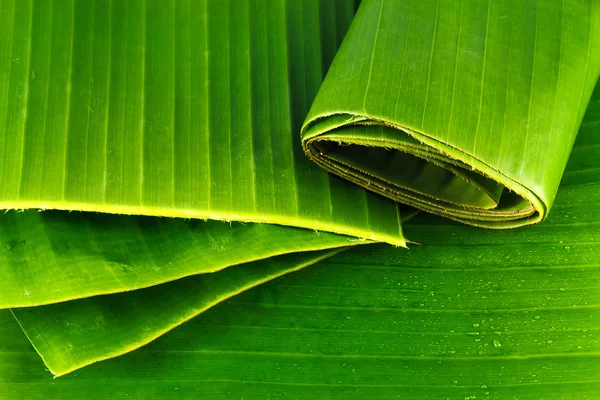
[(475, 325)]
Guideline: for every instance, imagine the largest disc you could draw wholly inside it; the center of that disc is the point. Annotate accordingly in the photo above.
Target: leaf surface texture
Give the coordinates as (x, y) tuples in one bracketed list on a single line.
[(159, 157)]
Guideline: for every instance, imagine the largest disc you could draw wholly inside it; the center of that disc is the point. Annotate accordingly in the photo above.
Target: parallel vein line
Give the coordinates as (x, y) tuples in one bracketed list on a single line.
[(373, 54), (430, 63), (455, 68), (485, 47), (531, 91), (418, 310), (68, 106), (26, 102), (379, 356), (108, 107), (143, 100)]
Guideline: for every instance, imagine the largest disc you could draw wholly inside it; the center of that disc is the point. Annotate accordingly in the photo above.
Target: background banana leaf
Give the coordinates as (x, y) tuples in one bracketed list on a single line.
[(193, 109)]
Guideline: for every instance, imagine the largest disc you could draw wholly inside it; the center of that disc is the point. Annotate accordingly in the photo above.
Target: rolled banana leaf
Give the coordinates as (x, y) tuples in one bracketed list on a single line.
[(467, 109)]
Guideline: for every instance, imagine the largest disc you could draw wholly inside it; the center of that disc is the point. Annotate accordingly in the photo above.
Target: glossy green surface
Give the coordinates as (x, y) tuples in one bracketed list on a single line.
[(73, 334), (174, 108), (193, 109), (51, 257), (491, 314), (467, 109)]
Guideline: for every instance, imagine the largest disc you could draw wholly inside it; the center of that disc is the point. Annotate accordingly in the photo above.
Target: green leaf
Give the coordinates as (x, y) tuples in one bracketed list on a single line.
[(51, 257), (479, 102), (583, 167), (73, 334), (491, 314), (174, 108), (192, 109)]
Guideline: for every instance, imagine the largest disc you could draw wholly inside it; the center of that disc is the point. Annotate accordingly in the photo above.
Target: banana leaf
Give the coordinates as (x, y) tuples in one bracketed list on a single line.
[(192, 109), (174, 109), (467, 109)]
